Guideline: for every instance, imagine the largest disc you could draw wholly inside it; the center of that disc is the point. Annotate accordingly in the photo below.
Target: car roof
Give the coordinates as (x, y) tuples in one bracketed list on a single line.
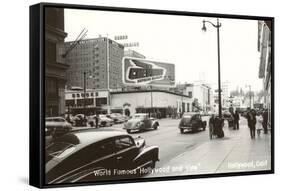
[(86, 137)]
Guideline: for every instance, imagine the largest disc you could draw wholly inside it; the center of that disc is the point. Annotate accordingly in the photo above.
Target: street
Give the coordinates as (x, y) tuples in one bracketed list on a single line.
[(235, 152), (195, 151), (169, 140)]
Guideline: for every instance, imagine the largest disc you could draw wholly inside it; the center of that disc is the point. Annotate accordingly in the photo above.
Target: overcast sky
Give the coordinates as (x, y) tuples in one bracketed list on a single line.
[(180, 40)]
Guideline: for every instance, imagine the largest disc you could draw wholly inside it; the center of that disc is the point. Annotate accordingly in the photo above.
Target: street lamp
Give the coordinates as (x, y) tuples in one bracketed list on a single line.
[(204, 29), (84, 102)]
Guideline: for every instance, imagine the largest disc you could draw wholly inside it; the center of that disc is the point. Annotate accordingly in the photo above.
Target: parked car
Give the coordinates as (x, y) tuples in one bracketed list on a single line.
[(117, 117), (91, 120), (56, 126), (79, 120), (105, 121), (93, 155), (141, 121), (191, 122), (227, 115)]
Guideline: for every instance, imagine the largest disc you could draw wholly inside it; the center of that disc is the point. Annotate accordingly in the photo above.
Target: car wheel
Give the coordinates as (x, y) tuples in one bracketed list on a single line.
[(155, 126), (129, 131), (181, 131)]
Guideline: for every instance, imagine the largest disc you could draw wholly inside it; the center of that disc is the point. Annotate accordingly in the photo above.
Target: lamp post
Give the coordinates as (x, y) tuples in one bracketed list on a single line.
[(217, 26), (84, 102)]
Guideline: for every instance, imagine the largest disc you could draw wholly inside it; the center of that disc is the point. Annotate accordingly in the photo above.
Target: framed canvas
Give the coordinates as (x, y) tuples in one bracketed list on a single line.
[(121, 95)]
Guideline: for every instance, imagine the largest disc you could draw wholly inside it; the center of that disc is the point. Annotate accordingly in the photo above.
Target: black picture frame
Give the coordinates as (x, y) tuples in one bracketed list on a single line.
[(37, 92)]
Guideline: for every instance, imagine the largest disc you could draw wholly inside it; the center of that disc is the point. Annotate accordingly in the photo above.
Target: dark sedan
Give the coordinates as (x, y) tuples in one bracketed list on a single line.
[(141, 121), (192, 122), (94, 155)]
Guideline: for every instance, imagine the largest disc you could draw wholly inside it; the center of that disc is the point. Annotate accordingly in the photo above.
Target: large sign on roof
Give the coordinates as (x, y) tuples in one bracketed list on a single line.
[(142, 72)]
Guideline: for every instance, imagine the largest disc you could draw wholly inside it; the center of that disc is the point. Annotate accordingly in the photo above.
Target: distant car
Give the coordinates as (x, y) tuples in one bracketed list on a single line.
[(141, 121), (56, 126), (105, 121), (117, 118), (191, 122), (93, 155), (79, 120)]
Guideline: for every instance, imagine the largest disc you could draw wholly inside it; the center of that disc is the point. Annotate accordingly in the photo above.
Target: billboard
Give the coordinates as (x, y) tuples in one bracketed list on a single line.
[(143, 72)]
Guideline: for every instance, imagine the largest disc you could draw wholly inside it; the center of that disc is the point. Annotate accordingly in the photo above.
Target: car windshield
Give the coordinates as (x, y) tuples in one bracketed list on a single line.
[(58, 150)]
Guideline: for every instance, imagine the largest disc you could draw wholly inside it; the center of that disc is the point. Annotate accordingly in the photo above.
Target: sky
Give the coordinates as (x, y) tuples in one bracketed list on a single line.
[(180, 40)]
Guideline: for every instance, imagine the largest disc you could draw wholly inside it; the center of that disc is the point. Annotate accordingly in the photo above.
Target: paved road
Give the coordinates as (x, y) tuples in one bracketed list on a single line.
[(171, 143)]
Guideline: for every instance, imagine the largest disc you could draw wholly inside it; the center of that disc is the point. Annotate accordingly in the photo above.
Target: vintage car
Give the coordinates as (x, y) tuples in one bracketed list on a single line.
[(56, 126), (191, 122), (141, 121), (105, 121), (79, 120), (117, 118), (93, 155)]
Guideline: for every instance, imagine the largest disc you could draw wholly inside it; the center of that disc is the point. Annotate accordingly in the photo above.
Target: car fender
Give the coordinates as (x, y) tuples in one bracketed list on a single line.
[(155, 122), (147, 154)]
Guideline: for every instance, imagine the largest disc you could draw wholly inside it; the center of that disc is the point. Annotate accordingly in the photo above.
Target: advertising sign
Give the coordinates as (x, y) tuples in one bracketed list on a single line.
[(142, 72)]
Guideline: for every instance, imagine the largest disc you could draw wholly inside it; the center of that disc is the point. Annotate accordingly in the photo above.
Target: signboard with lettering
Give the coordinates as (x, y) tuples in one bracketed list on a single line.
[(142, 72)]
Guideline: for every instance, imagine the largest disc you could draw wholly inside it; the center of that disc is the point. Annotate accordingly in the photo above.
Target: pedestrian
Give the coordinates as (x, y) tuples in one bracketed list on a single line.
[(265, 121), (97, 120), (259, 126), (211, 125), (251, 118), (236, 120)]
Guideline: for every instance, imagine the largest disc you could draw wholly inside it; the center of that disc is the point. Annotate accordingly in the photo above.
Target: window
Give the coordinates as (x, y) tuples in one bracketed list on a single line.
[(73, 95), (78, 95), (105, 148), (123, 143)]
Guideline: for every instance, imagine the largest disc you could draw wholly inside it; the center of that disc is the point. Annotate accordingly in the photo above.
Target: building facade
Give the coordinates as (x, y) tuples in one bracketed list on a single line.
[(164, 102), (88, 102), (99, 58), (264, 47), (201, 95), (55, 71), (133, 53), (225, 95)]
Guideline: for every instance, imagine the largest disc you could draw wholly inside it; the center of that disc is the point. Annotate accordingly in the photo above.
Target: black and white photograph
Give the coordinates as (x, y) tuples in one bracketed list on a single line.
[(132, 95)]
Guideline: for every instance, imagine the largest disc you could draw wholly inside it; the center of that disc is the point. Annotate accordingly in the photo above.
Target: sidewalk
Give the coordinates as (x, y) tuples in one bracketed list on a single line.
[(236, 152)]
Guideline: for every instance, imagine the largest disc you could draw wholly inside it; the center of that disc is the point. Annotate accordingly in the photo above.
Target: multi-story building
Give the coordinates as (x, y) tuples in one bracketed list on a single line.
[(264, 47), (55, 71), (133, 53), (101, 61)]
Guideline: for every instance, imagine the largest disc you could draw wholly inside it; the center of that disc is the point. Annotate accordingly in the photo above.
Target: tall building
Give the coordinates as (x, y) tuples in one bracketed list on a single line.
[(133, 53), (264, 47), (100, 58), (55, 71)]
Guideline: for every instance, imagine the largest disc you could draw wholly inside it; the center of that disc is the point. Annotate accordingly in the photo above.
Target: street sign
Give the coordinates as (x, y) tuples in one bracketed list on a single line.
[(142, 72)]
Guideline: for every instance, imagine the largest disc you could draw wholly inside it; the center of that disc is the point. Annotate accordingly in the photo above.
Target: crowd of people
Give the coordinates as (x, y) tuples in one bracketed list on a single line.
[(257, 121)]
